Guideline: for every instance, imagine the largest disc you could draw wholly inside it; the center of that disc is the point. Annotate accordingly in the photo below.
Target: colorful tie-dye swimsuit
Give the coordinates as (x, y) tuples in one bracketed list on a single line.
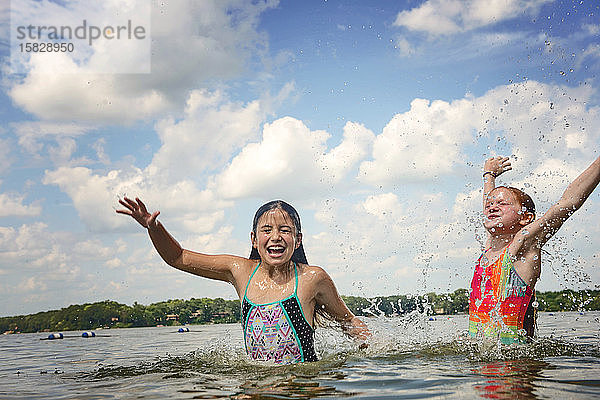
[(499, 301), (277, 331)]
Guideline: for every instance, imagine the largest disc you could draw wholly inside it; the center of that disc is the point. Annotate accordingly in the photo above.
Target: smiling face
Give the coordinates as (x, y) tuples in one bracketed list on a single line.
[(276, 237), (503, 212)]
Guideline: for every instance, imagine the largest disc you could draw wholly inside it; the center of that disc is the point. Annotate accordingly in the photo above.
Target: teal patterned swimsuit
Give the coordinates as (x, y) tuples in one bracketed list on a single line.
[(277, 331)]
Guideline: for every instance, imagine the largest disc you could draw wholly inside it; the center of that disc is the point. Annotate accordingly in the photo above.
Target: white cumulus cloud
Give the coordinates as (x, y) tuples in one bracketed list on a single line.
[(446, 17), (432, 138), (209, 39), (12, 204), (291, 160)]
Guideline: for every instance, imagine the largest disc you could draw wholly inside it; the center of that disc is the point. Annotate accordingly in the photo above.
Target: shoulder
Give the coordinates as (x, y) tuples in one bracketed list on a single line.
[(527, 239), (316, 279), (234, 263), (241, 270), (312, 273), (239, 267), (244, 266)]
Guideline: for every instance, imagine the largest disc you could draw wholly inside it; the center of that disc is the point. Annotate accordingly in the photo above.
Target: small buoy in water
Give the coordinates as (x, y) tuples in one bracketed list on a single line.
[(55, 336), (88, 334), (184, 329)]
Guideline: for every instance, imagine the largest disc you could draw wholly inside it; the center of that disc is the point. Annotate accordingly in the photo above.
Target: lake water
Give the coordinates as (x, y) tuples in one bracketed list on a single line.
[(409, 357)]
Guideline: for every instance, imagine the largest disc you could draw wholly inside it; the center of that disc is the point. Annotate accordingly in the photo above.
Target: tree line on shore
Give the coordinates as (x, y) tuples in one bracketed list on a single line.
[(110, 314)]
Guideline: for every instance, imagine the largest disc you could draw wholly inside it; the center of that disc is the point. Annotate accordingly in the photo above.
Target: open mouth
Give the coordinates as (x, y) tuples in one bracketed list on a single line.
[(275, 251)]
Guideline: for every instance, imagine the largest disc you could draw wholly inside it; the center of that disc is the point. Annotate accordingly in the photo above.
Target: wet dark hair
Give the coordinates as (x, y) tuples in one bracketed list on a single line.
[(523, 198), (298, 256)]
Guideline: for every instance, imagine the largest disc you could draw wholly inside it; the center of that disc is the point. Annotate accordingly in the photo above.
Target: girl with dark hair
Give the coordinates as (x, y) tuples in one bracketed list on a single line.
[(280, 292), (502, 290)]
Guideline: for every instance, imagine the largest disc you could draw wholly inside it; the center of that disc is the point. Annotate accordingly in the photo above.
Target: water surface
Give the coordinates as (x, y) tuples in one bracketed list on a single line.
[(409, 357)]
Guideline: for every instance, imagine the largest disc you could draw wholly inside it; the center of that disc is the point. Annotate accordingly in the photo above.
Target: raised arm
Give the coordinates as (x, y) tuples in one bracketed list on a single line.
[(572, 199), (219, 267), (492, 168)]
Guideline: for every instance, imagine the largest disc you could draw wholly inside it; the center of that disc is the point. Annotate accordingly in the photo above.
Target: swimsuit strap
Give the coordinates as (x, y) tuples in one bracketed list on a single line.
[(296, 272), (256, 269), (503, 251), (484, 251), (251, 275)]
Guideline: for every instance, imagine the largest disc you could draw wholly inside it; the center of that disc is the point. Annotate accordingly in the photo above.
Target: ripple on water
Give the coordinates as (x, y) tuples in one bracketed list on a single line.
[(409, 356)]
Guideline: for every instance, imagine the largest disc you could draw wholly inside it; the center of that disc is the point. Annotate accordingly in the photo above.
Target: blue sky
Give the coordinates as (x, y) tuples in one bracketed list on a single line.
[(372, 118)]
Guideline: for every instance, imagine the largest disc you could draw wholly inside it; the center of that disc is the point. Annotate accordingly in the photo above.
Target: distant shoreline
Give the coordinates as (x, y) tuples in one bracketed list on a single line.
[(110, 314)]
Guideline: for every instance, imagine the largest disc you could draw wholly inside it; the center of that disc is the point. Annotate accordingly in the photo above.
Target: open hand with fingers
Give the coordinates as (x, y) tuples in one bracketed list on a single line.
[(137, 210), (496, 166)]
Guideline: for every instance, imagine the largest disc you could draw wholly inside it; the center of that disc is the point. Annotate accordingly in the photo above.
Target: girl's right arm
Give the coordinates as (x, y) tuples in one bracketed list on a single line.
[(492, 168), (219, 267)]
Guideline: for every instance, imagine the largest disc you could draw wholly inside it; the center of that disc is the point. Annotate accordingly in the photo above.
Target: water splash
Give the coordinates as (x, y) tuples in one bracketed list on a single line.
[(415, 335)]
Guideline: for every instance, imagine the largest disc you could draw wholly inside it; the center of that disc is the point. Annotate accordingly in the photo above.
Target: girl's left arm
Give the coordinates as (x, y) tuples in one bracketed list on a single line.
[(572, 199), (328, 298)]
